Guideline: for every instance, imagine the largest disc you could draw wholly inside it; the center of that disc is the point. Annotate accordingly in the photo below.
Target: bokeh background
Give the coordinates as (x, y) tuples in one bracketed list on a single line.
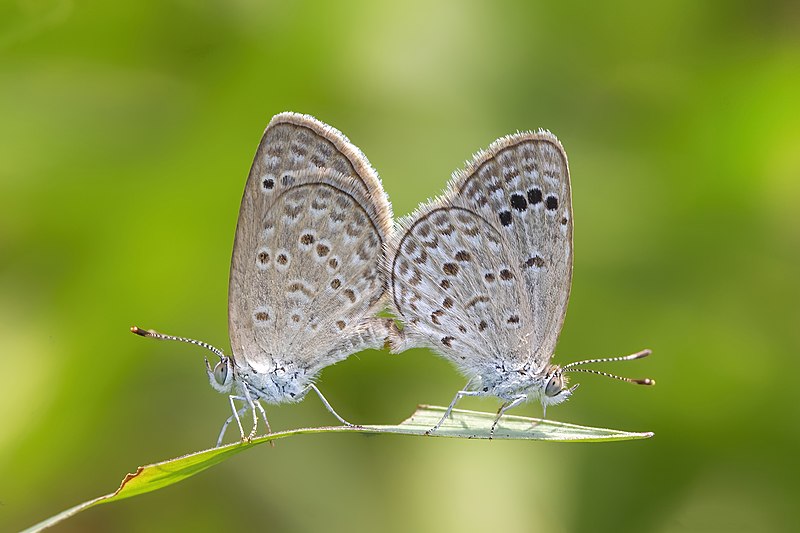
[(126, 133)]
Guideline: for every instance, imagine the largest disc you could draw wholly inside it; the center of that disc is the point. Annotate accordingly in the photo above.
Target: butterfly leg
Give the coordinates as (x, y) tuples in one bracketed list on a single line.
[(263, 415), (460, 394), (266, 422), (252, 405), (236, 414), (503, 408), (328, 405)]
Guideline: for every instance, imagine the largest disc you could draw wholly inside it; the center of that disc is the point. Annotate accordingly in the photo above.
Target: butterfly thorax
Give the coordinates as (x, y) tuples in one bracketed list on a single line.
[(284, 383), (509, 381)]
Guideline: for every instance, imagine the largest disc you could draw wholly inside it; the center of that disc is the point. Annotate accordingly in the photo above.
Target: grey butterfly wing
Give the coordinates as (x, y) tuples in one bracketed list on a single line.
[(521, 183), (305, 272), (456, 286), (519, 187), (293, 141)]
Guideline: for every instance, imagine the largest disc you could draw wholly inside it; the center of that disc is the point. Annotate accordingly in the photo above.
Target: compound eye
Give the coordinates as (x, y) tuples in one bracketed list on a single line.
[(554, 386), (221, 372)]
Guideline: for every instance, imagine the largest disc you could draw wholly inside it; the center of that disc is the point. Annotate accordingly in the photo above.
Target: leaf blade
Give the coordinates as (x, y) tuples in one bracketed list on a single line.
[(477, 425), (463, 424)]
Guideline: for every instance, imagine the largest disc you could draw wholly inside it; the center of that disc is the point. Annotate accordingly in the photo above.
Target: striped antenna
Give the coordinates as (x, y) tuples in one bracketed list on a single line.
[(637, 355), (156, 335)]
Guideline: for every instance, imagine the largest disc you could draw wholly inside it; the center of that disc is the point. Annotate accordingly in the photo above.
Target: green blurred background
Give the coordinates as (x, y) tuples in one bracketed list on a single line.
[(126, 133)]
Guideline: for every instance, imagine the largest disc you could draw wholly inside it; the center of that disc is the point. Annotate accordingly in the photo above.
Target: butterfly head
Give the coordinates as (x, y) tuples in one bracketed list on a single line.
[(555, 388), (221, 376)]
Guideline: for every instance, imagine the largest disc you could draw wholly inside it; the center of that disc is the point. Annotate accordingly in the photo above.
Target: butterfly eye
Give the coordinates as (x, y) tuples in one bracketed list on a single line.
[(221, 372), (554, 386)]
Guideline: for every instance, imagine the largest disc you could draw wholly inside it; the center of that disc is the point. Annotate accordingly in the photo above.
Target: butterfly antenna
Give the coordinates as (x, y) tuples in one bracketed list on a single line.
[(631, 357), (156, 335)]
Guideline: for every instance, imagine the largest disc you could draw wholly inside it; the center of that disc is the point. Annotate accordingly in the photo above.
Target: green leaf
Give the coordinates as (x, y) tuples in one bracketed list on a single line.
[(463, 424)]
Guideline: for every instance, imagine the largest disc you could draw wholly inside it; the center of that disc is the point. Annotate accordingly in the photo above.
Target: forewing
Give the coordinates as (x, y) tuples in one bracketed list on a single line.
[(521, 185), (457, 287), (295, 142)]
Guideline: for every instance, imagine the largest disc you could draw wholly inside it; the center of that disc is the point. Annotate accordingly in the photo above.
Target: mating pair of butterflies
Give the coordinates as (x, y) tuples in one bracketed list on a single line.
[(481, 274)]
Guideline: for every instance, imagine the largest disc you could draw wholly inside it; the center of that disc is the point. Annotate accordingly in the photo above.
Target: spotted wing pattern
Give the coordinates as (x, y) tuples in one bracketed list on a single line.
[(449, 276), (305, 274), (499, 247)]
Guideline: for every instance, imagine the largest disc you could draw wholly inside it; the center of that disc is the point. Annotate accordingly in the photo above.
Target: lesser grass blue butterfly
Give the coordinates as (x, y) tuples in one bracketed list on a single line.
[(482, 274), (306, 274)]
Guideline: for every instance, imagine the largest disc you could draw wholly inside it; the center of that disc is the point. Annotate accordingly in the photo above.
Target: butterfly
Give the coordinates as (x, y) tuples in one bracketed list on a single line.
[(482, 274), (306, 278)]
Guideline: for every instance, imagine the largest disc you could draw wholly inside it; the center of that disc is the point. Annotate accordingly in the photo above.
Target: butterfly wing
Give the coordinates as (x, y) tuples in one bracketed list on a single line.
[(456, 286), (305, 273), (294, 142), (521, 183), (519, 190)]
